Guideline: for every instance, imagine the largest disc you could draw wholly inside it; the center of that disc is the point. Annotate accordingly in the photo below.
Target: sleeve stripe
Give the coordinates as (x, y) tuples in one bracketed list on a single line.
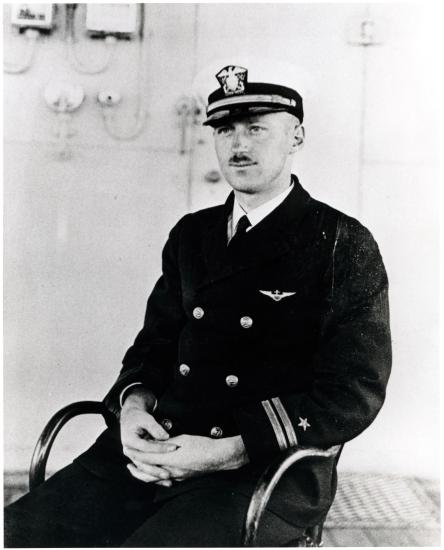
[(291, 435), (275, 425)]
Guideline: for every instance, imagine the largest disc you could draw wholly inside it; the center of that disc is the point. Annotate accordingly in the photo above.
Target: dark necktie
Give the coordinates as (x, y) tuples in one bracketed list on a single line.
[(242, 225)]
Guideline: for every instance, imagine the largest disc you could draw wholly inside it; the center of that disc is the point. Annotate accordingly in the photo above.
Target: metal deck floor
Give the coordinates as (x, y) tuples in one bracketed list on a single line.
[(370, 510), (384, 510)]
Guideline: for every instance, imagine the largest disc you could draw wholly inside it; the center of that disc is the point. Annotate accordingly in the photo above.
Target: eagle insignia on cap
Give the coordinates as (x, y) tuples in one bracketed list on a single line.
[(232, 79)]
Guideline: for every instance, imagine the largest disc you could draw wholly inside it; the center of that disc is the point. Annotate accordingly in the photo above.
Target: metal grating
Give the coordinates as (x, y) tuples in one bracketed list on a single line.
[(378, 500), (373, 501)]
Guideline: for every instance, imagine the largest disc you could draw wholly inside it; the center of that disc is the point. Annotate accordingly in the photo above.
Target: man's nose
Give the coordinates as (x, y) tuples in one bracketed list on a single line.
[(240, 140)]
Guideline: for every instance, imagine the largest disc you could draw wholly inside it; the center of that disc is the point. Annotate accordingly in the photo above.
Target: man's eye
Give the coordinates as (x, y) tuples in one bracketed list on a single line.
[(255, 130), (223, 131)]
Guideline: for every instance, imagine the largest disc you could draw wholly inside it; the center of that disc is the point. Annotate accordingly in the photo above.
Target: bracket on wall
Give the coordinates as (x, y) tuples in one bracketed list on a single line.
[(63, 98), (365, 31), (188, 113)]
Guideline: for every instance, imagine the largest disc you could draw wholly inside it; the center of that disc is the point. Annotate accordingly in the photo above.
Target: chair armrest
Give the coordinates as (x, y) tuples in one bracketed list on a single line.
[(268, 481), (52, 428)]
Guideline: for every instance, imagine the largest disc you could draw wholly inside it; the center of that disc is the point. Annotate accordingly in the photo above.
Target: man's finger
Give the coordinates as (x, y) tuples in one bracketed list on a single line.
[(138, 474), (150, 458), (167, 460), (151, 425), (151, 470), (176, 473), (147, 445), (164, 483), (135, 420)]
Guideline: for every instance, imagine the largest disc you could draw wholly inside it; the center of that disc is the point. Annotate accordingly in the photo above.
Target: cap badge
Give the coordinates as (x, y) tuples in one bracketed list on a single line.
[(232, 79)]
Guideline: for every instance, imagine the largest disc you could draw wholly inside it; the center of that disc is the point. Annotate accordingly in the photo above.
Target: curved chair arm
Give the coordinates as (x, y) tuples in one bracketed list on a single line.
[(268, 481), (52, 428)]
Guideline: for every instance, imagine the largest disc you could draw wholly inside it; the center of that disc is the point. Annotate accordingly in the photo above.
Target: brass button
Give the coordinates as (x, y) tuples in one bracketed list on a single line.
[(246, 322), (198, 313), (232, 381), (167, 424), (184, 369), (216, 432)]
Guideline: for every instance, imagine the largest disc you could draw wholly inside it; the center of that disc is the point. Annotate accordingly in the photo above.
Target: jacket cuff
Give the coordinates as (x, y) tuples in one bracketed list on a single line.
[(126, 379), (123, 395), (265, 428)]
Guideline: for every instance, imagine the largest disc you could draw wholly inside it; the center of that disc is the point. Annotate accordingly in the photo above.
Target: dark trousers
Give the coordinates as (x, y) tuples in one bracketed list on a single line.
[(77, 508)]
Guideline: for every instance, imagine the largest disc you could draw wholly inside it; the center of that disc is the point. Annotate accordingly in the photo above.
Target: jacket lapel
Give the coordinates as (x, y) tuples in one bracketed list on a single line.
[(274, 236), (215, 249)]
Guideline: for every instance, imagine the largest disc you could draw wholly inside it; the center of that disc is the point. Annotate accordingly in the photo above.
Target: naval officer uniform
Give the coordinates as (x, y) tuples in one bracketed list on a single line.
[(279, 334)]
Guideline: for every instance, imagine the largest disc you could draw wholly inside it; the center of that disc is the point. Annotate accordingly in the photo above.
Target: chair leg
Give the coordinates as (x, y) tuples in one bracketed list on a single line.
[(312, 538)]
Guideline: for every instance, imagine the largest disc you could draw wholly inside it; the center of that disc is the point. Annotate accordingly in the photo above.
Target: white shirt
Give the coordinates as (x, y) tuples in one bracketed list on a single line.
[(257, 214)]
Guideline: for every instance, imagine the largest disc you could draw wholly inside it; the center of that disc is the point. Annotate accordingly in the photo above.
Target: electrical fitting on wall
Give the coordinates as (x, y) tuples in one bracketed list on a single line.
[(188, 112), (64, 98), (117, 19), (365, 31), (109, 99), (79, 65), (35, 16), (106, 22), (31, 20)]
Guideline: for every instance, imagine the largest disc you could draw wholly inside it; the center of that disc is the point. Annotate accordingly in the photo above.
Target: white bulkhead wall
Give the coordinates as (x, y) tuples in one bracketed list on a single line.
[(83, 236)]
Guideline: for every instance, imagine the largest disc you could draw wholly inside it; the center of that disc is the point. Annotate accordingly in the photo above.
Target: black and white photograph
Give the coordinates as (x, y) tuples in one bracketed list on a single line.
[(221, 275)]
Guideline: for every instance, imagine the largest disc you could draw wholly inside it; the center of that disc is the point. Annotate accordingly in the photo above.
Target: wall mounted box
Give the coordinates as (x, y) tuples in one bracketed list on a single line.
[(118, 19), (39, 16)]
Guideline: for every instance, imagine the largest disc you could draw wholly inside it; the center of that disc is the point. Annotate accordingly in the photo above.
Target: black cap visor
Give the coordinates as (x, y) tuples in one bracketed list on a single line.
[(224, 115)]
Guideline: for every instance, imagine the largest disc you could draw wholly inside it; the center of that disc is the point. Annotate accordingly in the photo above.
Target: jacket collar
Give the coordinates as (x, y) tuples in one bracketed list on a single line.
[(256, 215), (275, 235)]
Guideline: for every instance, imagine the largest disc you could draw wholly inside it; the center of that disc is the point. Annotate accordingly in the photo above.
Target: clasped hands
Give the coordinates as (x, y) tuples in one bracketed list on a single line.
[(160, 459)]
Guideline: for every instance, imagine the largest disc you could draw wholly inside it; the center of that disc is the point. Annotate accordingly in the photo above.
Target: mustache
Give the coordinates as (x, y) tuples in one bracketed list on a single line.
[(240, 158)]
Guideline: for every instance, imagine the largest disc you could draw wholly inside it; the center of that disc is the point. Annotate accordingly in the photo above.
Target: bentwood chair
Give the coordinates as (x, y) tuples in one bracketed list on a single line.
[(312, 535)]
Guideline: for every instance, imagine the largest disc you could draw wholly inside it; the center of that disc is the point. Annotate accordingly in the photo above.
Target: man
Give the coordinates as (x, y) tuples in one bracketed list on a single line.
[(268, 329)]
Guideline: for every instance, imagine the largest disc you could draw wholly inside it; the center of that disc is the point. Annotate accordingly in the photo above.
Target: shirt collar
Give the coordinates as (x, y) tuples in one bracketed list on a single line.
[(257, 214)]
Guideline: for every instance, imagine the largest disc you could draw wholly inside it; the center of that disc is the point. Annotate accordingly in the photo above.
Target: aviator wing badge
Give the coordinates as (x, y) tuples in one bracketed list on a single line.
[(277, 295)]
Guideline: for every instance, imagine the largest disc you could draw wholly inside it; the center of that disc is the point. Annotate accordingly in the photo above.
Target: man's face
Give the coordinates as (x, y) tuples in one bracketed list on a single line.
[(254, 151)]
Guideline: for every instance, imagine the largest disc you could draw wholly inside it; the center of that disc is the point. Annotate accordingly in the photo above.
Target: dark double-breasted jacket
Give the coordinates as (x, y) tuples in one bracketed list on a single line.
[(283, 338)]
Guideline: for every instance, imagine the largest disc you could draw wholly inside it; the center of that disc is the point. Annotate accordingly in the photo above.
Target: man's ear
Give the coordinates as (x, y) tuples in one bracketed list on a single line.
[(298, 138)]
